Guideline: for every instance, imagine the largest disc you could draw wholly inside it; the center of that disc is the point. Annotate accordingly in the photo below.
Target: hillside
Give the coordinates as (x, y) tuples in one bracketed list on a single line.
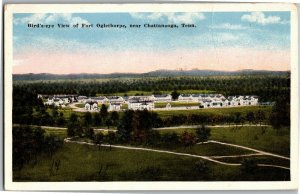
[(158, 73)]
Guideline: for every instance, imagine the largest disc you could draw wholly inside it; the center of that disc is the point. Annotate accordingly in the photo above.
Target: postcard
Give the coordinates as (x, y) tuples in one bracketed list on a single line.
[(188, 96)]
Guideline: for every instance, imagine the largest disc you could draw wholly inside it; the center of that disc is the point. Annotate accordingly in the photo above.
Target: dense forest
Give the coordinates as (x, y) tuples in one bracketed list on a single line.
[(28, 109), (136, 126), (267, 87)]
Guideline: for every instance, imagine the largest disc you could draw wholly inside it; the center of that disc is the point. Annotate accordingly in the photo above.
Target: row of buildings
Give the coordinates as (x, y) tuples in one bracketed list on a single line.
[(148, 102), (124, 99), (58, 100)]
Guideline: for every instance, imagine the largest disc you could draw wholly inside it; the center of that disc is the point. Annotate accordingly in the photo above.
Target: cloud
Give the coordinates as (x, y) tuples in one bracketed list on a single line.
[(228, 26), (261, 18), (170, 17), (45, 18)]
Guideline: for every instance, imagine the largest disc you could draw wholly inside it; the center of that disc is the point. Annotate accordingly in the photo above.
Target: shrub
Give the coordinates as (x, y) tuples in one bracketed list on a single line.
[(249, 165), (200, 166)]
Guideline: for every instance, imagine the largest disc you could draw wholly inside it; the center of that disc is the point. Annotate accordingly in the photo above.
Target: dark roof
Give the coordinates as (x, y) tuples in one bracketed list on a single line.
[(82, 97), (141, 101), (185, 95), (91, 102), (65, 96), (204, 95), (113, 97), (98, 98), (160, 95)]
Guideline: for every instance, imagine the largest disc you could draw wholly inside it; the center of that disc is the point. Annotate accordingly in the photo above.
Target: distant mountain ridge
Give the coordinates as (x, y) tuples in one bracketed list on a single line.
[(157, 73)]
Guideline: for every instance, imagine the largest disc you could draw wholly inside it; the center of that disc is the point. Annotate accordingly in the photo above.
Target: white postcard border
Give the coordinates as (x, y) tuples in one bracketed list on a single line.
[(183, 7)]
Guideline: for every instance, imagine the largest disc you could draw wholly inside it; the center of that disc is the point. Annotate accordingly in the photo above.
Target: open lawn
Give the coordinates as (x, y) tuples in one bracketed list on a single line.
[(68, 111), (124, 106), (211, 150), (136, 92), (175, 104), (218, 111), (79, 105), (259, 159), (89, 163), (62, 133), (270, 140), (262, 138)]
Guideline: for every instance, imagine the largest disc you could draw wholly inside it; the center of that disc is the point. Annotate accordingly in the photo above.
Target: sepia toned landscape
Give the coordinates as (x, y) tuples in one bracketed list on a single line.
[(201, 102)]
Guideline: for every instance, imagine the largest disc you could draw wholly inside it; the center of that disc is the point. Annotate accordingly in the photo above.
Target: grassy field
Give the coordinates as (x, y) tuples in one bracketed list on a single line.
[(211, 150), (62, 133), (88, 163), (124, 106), (136, 92), (175, 104), (68, 111), (260, 160), (218, 111), (164, 114), (271, 140), (79, 105)]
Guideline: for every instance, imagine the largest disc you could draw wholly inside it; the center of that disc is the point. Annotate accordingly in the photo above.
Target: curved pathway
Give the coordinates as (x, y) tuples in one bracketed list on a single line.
[(251, 149), (209, 158), (212, 126)]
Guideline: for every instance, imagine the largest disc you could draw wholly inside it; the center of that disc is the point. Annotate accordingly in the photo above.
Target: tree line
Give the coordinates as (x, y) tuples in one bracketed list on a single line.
[(266, 87), (135, 127), (30, 142), (28, 109)]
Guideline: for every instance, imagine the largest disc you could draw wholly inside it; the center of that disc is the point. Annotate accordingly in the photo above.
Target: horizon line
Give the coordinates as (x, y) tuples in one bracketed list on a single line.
[(179, 70)]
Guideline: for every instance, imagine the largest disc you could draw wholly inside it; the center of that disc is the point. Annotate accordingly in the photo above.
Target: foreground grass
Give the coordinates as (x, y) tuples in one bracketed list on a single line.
[(272, 140), (260, 160), (266, 139), (89, 163)]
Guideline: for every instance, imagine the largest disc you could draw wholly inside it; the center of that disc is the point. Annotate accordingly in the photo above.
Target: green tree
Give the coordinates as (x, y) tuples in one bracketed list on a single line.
[(237, 118), (89, 132), (170, 139), (87, 119), (188, 139), (103, 111), (70, 131), (203, 133), (97, 119), (74, 126), (98, 139), (111, 137), (260, 116), (175, 95), (73, 118), (249, 165), (125, 126), (108, 122), (280, 115), (250, 117), (201, 166), (114, 117)]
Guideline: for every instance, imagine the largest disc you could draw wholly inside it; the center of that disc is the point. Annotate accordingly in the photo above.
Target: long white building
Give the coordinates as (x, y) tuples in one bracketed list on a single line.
[(140, 103)]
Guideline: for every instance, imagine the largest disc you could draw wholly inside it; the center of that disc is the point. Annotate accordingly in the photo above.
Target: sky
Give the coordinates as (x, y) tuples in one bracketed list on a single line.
[(226, 41)]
